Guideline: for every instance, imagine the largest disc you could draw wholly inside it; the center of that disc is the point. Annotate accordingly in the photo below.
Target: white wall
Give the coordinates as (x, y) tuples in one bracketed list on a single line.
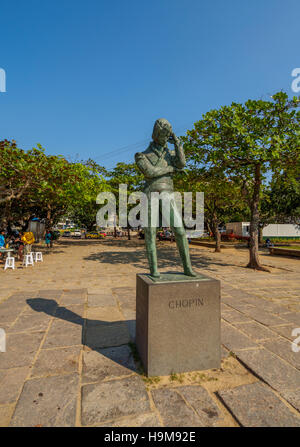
[(281, 230)]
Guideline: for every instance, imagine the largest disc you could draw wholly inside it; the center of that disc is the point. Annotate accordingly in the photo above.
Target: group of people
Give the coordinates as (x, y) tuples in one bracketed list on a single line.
[(21, 242)]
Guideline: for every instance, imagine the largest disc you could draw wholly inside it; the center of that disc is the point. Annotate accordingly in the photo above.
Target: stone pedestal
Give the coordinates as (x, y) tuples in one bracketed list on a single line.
[(178, 323)]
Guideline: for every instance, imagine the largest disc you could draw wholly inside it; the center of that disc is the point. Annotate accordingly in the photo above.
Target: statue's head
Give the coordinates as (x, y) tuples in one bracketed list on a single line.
[(162, 131)]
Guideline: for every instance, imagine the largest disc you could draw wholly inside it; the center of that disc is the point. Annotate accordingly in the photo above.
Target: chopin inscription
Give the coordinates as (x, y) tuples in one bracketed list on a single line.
[(192, 302)]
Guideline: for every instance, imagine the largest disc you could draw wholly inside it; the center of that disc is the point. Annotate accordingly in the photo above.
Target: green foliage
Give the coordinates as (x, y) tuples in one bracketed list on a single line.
[(239, 137), (126, 173), (248, 142), (47, 186), (281, 200)]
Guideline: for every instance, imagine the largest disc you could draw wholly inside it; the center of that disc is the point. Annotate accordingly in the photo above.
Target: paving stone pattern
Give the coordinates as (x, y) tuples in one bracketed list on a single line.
[(70, 357)]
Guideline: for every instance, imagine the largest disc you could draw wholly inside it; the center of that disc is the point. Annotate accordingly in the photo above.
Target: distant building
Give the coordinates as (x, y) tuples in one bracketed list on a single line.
[(238, 228), (271, 230), (64, 224), (282, 230)]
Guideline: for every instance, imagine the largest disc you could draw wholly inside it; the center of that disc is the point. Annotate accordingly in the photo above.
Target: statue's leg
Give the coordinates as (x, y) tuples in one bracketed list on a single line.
[(150, 239), (181, 240)]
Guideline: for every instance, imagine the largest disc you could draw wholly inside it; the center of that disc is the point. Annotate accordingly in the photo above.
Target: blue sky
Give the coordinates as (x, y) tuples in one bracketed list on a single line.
[(89, 78)]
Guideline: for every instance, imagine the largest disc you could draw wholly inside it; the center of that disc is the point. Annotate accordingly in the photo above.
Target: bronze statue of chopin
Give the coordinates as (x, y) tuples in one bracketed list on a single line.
[(158, 164)]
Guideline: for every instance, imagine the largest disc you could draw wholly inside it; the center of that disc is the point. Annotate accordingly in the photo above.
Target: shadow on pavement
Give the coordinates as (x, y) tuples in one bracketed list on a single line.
[(167, 258), (95, 327)]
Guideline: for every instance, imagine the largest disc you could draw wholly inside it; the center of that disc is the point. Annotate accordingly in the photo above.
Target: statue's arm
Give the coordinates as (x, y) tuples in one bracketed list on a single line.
[(148, 169), (179, 157)]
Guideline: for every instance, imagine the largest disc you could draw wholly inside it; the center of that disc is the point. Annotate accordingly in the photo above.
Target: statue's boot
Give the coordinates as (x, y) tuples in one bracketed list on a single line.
[(183, 248)]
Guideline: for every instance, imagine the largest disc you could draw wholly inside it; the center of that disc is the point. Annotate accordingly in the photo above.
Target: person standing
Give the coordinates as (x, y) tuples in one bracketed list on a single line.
[(2, 242), (48, 238), (2, 239), (19, 245), (28, 239), (52, 238)]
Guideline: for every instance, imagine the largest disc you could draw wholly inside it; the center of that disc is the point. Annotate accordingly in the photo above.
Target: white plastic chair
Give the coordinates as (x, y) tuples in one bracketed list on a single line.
[(9, 263), (38, 256), (28, 260)]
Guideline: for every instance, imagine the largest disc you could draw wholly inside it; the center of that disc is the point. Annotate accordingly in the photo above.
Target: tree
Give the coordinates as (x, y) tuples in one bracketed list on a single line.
[(248, 141), (82, 205), (20, 170), (222, 197), (33, 184), (125, 173)]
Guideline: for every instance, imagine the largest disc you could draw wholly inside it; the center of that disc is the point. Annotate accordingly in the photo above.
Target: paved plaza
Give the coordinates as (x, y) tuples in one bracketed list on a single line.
[(70, 355)]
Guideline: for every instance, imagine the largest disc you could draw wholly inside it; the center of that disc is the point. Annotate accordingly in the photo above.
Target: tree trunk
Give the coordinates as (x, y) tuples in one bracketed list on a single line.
[(209, 228), (128, 232), (115, 231), (260, 235), (25, 223), (254, 224), (217, 235), (49, 220)]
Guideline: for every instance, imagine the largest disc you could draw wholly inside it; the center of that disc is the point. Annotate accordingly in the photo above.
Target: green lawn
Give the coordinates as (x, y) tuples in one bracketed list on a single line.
[(294, 247)]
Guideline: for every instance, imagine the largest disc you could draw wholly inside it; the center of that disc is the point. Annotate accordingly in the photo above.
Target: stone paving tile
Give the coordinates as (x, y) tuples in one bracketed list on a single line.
[(255, 405), (12, 304), (11, 382), (285, 330), (70, 299), (72, 313), (63, 333), (56, 361), (39, 304), (23, 295), (94, 290), (224, 352), (74, 291), (256, 331), (124, 291), (114, 399), (236, 304), (5, 326), (173, 409), (31, 322), (239, 293), (6, 412), (283, 348), (101, 300), (9, 314), (292, 317), (234, 339), (276, 372), (128, 302), (130, 320), (274, 308), (225, 307), (107, 363), (202, 403), (103, 335), (20, 349), (96, 315), (233, 316), (47, 402), (264, 317), (293, 397), (50, 293), (142, 420)]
